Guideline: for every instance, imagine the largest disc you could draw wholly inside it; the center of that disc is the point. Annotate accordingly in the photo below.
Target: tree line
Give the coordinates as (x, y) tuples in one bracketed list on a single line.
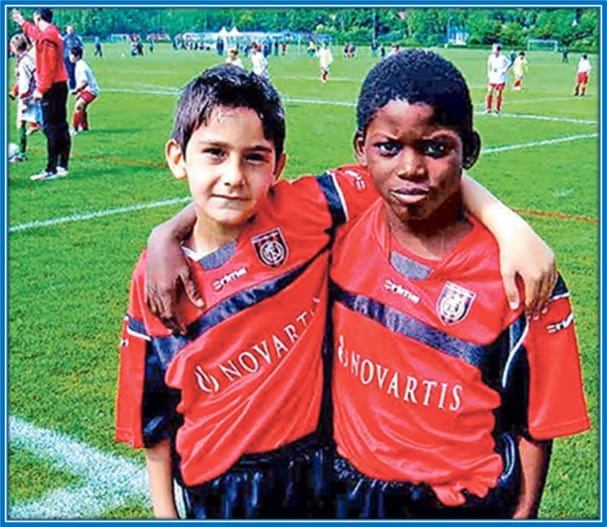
[(576, 28)]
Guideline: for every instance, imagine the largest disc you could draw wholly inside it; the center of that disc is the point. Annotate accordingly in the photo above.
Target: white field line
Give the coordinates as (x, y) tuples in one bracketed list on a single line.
[(96, 214), (108, 482), (142, 206), (325, 102), (533, 144)]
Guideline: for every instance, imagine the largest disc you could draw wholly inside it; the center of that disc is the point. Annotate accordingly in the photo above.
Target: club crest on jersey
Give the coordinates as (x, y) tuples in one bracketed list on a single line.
[(454, 303), (271, 248)]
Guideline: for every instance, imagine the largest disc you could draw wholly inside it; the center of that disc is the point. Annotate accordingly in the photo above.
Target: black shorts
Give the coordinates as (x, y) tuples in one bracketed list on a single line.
[(358, 496), (293, 481)]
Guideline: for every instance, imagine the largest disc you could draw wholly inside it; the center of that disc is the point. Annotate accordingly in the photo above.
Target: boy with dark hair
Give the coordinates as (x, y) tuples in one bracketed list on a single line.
[(445, 399), (51, 89), (237, 399)]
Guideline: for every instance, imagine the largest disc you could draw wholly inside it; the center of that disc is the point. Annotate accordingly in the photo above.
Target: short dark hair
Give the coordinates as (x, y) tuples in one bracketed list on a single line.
[(227, 85), (417, 76), (77, 51), (45, 13)]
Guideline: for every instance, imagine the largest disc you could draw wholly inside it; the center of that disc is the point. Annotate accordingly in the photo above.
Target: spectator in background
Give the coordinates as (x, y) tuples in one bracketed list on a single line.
[(51, 89), (70, 41), (565, 54), (98, 50)]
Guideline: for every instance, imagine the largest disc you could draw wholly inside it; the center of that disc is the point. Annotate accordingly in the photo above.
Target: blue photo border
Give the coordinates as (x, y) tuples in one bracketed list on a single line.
[(28, 4)]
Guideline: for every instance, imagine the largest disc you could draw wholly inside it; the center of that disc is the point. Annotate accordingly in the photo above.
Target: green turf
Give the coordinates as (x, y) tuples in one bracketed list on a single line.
[(68, 283)]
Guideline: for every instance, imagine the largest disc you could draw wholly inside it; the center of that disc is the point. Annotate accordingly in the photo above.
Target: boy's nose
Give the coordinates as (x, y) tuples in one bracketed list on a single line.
[(410, 164), (233, 175)]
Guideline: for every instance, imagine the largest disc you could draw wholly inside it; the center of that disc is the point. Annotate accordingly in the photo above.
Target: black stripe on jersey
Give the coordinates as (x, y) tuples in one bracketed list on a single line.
[(160, 400), (334, 199), (560, 288), (165, 348), (407, 326)]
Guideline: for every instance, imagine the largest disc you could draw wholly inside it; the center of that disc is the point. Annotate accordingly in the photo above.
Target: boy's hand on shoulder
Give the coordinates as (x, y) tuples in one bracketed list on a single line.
[(534, 261), (167, 276)]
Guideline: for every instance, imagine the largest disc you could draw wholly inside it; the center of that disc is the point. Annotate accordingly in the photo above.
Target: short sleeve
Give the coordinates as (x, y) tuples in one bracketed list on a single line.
[(556, 396)]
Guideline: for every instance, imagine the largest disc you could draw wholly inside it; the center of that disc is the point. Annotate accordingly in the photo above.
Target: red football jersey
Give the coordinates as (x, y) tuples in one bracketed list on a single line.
[(431, 364), (248, 376)]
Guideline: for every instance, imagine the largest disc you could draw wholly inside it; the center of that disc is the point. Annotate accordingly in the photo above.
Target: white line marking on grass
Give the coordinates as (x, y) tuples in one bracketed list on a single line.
[(97, 214), (121, 210), (110, 481), (350, 104), (538, 143)]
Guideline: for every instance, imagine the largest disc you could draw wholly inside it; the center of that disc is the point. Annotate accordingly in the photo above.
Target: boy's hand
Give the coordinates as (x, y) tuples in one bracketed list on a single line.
[(534, 262), (167, 275)]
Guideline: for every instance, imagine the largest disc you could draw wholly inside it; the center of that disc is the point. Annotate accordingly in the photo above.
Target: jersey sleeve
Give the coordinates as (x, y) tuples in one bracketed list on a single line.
[(348, 191), (143, 402), (556, 404)]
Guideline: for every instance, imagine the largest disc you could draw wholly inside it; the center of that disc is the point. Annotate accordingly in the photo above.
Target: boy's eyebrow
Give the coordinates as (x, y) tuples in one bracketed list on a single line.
[(219, 143)]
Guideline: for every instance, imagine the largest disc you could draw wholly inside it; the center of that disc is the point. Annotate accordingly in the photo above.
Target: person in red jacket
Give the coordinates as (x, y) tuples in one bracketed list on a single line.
[(51, 89)]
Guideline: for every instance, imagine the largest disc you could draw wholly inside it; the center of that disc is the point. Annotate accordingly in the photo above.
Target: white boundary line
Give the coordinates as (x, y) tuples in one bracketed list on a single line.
[(109, 480), (97, 214), (325, 102), (121, 210)]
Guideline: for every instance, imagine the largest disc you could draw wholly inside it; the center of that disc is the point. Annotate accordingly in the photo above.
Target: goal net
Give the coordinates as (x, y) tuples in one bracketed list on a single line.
[(538, 44)]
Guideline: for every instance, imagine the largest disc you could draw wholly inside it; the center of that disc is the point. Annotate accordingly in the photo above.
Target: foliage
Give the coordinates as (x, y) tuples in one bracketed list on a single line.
[(576, 28)]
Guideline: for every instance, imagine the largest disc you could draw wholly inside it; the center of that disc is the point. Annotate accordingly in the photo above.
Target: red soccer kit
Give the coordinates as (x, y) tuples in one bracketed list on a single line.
[(428, 356), (50, 67), (248, 377)]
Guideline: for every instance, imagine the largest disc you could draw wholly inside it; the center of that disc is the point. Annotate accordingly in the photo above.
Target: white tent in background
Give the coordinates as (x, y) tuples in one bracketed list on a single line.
[(223, 35), (232, 37)]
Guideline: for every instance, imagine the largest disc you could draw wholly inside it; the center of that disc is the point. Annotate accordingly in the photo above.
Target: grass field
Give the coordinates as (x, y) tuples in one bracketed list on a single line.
[(73, 242)]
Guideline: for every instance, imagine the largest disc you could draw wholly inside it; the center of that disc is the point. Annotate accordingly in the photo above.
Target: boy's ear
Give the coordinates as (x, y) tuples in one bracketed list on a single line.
[(359, 147), (472, 149), (280, 165), (175, 159)]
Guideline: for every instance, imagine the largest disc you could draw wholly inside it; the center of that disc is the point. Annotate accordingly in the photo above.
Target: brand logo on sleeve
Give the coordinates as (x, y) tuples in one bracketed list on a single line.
[(454, 303), (271, 248)]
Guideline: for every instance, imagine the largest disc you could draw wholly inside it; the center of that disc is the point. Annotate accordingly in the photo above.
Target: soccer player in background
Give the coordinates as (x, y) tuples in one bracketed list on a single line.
[(251, 359), (86, 91), (446, 400), (28, 109), (497, 73), (519, 68), (259, 61), (581, 78), (325, 59)]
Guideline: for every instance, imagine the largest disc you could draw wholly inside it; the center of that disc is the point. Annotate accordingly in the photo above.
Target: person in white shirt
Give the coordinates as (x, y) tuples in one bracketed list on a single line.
[(581, 80), (325, 58), (29, 112), (260, 64), (497, 72), (86, 91)]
